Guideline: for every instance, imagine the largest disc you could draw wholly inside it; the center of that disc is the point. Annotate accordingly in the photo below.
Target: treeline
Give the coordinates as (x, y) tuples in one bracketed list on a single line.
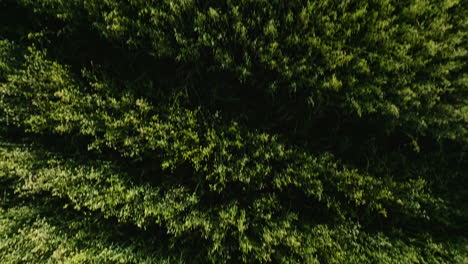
[(251, 131)]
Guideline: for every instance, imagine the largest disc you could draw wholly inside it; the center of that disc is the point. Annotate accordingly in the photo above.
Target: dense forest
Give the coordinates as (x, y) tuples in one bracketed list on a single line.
[(248, 131)]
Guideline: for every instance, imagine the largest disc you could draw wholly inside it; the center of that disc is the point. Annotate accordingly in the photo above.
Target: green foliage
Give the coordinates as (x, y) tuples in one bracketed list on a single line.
[(234, 132), (402, 62), (226, 228)]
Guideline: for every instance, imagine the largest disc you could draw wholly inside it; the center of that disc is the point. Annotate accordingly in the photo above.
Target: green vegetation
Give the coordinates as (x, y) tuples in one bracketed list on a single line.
[(251, 131)]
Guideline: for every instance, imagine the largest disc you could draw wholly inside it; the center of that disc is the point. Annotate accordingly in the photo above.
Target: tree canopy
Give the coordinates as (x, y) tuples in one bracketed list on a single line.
[(250, 131)]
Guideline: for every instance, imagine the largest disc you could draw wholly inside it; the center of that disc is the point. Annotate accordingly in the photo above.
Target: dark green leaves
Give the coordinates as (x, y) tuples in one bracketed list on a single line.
[(233, 132)]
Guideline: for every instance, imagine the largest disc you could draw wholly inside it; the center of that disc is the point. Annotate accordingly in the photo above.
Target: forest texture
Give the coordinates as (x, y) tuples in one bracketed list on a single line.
[(250, 131)]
